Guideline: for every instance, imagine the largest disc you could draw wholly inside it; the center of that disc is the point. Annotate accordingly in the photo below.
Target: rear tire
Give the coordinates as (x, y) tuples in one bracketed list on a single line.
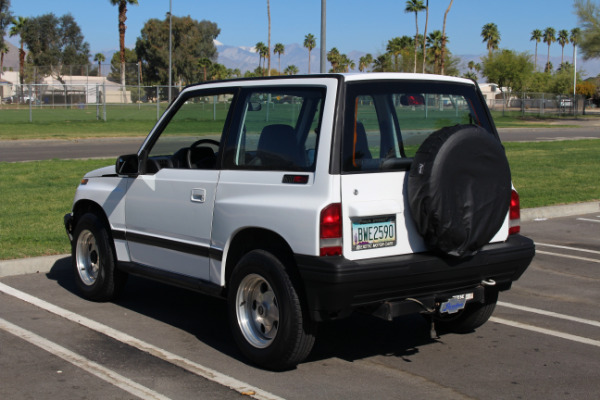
[(94, 263), (265, 313), (470, 318)]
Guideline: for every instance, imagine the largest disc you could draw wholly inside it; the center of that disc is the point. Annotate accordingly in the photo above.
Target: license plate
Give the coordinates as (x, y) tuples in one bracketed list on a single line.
[(456, 303), (373, 232)]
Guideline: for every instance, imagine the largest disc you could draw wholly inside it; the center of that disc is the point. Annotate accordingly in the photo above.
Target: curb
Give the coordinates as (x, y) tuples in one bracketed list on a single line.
[(36, 265)]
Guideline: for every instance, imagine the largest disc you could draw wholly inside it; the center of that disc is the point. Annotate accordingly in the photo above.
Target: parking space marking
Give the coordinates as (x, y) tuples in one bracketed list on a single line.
[(550, 314), (588, 219), (191, 366), (549, 332), (93, 368), (568, 256), (556, 246)]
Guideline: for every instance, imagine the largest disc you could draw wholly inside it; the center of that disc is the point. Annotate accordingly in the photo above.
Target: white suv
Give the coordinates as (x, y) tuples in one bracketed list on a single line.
[(302, 199)]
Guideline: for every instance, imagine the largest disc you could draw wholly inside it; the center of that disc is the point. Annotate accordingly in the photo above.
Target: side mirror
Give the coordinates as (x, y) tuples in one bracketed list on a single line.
[(128, 165)]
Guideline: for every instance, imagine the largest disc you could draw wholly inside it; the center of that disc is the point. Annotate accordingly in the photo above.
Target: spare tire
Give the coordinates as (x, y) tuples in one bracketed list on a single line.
[(459, 189)]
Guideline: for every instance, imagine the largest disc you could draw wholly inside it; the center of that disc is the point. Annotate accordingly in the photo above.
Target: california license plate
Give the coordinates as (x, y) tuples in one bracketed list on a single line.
[(373, 232)]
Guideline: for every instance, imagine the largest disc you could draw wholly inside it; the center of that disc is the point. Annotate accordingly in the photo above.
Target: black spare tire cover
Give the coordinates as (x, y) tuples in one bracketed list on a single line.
[(459, 189)]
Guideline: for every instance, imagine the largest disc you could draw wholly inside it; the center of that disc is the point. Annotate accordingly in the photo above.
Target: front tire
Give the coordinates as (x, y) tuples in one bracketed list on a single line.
[(265, 313), (94, 263)]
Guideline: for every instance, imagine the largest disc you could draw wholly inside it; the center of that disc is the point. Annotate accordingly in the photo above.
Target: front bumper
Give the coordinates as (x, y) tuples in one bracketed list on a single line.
[(335, 286)]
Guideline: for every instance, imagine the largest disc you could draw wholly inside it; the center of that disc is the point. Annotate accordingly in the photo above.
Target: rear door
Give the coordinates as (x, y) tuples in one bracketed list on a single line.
[(384, 125)]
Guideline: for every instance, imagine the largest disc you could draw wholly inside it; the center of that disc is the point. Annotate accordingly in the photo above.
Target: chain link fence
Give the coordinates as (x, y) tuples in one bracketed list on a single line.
[(539, 104)]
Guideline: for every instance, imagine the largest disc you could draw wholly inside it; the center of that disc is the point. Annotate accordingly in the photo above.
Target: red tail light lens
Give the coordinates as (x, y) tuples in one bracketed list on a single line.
[(331, 230), (514, 214)]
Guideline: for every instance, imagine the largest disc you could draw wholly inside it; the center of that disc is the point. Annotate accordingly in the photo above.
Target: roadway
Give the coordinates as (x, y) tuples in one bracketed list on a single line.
[(543, 341), (31, 150)]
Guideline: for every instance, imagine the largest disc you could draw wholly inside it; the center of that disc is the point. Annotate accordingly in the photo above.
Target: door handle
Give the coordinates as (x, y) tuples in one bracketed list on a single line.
[(198, 195)]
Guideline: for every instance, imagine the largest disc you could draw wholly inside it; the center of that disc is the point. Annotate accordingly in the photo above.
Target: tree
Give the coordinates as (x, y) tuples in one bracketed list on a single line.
[(99, 58), (17, 29), (415, 6), (310, 42), (425, 32), (365, 62), (192, 41), (444, 37), (122, 18), (490, 36), (510, 70), (290, 70), (54, 43), (434, 49), (394, 47), (334, 57), (588, 14), (131, 74), (383, 63), (6, 18), (260, 48), (574, 38), (269, 39), (562, 39), (536, 36), (3, 51), (279, 49), (549, 38), (586, 89), (205, 64)]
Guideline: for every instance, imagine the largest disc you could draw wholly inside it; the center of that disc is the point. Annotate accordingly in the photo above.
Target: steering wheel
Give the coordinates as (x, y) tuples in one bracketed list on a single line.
[(198, 143)]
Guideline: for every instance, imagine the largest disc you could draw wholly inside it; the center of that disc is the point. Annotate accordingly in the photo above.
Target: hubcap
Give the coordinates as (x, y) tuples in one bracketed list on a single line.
[(87, 257), (257, 311)]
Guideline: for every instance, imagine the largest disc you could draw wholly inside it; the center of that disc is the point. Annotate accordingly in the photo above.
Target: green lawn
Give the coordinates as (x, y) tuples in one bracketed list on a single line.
[(36, 195)]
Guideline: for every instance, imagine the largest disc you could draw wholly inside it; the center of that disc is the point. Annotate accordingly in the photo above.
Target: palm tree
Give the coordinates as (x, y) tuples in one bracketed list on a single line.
[(261, 49), (575, 33), (394, 47), (290, 70), (17, 29), (536, 36), (365, 62), (549, 38), (444, 37), (269, 39), (310, 42), (563, 39), (491, 36), (279, 49), (3, 51), (425, 31), (99, 58), (334, 57), (122, 18), (204, 63), (265, 53), (434, 41), (415, 6)]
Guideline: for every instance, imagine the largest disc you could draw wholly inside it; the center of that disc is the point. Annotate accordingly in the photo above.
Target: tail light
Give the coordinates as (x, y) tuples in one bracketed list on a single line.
[(514, 214), (331, 230)]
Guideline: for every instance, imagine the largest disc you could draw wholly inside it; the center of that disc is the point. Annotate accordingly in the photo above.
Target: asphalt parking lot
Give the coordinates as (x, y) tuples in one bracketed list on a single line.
[(543, 341)]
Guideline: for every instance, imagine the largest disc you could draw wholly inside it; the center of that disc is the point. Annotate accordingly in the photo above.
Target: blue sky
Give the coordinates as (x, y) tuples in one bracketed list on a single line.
[(364, 25)]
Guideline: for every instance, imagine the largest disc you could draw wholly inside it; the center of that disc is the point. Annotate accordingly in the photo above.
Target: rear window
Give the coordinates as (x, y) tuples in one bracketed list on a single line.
[(386, 122)]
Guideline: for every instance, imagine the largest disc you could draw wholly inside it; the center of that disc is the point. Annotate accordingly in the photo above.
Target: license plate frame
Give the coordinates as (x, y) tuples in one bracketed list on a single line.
[(374, 232)]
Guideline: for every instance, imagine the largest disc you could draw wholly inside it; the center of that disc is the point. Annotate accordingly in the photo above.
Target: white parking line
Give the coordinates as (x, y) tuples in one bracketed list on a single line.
[(588, 219), (550, 314), (93, 368), (549, 332), (188, 365), (568, 256), (556, 246)]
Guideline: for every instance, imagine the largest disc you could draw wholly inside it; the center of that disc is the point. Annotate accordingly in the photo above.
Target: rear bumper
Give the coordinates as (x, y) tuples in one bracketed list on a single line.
[(335, 286)]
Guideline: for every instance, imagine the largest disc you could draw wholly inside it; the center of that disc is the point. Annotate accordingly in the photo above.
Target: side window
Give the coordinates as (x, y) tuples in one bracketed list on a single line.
[(192, 137), (277, 130)]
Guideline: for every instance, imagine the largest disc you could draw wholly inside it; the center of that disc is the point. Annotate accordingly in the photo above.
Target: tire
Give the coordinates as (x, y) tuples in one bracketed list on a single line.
[(471, 317), (94, 263), (459, 189), (265, 313)]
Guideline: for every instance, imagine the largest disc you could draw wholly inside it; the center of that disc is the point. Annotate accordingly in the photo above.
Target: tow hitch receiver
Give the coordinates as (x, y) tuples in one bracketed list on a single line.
[(455, 303)]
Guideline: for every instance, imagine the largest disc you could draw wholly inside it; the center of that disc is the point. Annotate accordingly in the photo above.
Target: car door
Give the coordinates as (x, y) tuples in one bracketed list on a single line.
[(169, 207)]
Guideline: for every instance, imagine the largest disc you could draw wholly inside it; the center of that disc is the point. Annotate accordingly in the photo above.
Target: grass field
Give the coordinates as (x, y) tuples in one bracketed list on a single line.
[(36, 195)]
